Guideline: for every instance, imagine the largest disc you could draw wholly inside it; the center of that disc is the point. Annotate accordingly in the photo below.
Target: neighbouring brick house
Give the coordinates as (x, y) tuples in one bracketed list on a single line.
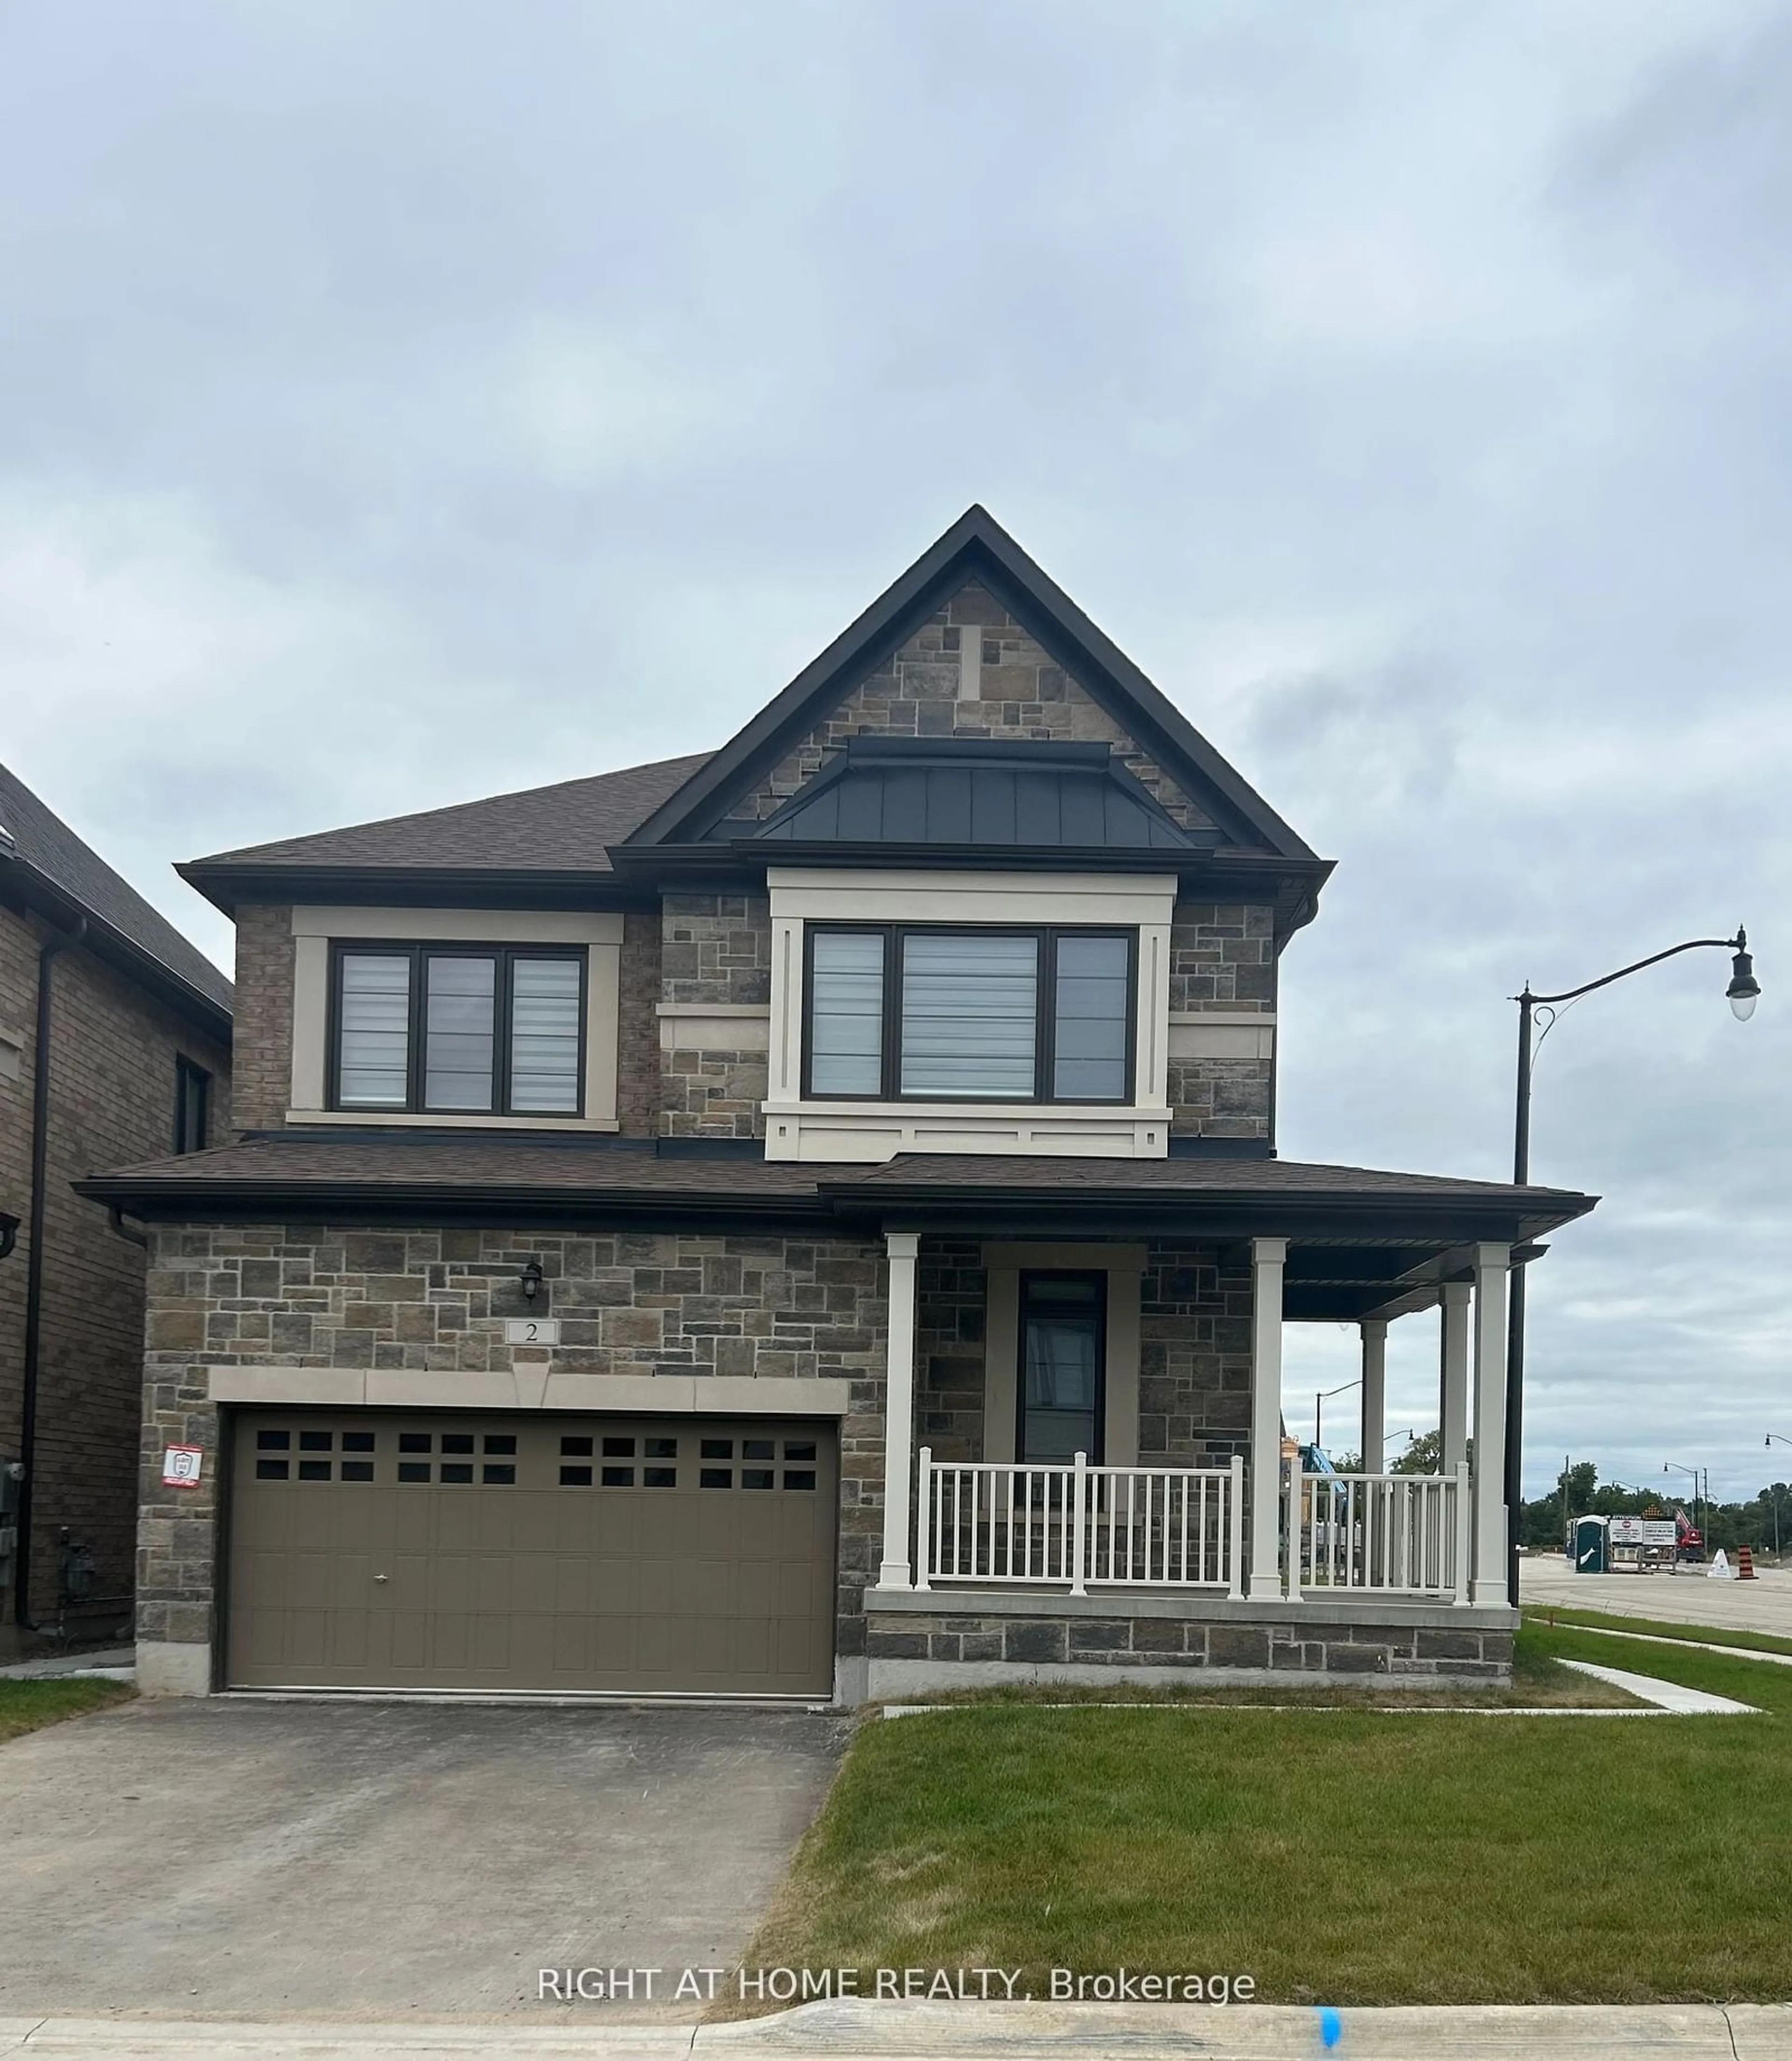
[(114, 1042), (804, 1219)]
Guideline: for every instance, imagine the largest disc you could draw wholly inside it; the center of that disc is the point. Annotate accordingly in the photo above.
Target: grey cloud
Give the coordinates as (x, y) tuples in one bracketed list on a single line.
[(407, 405)]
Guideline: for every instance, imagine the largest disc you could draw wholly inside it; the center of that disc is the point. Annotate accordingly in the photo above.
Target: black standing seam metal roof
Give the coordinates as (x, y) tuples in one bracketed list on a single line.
[(32, 837), (886, 790)]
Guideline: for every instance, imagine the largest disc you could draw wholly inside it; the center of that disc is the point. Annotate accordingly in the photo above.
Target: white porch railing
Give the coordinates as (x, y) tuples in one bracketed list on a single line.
[(1081, 1527), (1378, 1534)]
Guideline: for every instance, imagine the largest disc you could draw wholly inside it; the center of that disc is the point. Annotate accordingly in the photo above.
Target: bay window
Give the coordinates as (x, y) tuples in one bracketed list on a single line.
[(456, 1029), (899, 1012)]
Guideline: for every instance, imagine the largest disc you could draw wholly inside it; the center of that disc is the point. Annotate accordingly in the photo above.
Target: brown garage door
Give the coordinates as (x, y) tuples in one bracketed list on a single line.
[(577, 1553)]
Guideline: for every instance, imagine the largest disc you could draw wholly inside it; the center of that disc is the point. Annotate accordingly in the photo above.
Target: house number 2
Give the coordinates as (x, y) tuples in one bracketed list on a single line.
[(532, 1330)]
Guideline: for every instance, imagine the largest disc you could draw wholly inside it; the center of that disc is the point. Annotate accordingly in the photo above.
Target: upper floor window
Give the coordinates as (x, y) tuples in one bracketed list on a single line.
[(457, 1030), (908, 1012), (192, 1105)]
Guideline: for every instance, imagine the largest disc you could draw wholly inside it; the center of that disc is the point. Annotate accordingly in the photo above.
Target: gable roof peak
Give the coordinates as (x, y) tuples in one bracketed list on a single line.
[(974, 548)]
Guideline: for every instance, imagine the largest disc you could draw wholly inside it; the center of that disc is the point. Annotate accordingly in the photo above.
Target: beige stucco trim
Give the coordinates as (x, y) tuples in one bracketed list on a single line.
[(599, 931), (1004, 1265), (797, 1128), (392, 1120), (1212, 1037), (528, 1387), (473, 927), (715, 1027), (173, 1667)]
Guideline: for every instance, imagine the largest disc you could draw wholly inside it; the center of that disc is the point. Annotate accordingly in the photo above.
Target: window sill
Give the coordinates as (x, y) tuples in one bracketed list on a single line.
[(872, 1131), (445, 1120)]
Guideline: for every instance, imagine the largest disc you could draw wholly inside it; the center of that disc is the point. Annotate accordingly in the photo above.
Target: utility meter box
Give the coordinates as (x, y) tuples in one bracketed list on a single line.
[(1591, 1552)]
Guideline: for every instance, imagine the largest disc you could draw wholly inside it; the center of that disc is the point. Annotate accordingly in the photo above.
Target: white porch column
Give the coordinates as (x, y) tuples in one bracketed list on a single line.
[(1491, 1264), (1374, 1392), (1452, 1378), (897, 1570), (1268, 1258)]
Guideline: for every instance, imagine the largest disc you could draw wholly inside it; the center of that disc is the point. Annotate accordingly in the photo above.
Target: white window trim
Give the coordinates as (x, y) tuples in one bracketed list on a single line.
[(820, 1128), (599, 932), (1124, 1266)]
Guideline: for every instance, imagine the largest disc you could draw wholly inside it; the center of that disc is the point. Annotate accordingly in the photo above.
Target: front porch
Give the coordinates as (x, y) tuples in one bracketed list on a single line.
[(1182, 1548)]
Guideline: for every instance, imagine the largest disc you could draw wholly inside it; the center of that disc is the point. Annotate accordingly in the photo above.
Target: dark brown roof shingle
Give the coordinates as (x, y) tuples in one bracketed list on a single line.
[(565, 828), (38, 839)]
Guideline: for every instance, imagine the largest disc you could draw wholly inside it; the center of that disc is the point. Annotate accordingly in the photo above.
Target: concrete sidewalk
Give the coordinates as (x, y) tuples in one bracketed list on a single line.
[(967, 2032)]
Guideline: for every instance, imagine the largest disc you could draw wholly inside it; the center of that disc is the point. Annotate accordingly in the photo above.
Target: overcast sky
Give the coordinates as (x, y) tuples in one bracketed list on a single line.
[(407, 401)]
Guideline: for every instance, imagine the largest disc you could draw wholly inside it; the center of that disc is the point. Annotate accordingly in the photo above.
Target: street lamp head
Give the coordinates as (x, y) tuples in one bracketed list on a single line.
[(1744, 989)]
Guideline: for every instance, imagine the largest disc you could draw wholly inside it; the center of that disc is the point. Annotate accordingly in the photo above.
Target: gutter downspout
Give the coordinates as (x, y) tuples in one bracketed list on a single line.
[(59, 941)]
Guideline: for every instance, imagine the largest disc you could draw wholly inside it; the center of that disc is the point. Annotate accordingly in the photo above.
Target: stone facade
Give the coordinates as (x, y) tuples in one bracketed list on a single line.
[(113, 1053), (1193, 1358), (950, 1295), (1110, 1639), (1222, 960), (1021, 692), (628, 1303), (716, 951)]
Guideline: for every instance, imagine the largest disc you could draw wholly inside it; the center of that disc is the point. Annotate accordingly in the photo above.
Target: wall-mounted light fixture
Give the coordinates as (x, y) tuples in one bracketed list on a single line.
[(531, 1278)]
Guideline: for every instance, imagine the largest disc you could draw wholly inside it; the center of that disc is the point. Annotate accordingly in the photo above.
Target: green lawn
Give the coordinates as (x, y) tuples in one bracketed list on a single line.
[(1751, 1642), (1336, 1855), (24, 1706)]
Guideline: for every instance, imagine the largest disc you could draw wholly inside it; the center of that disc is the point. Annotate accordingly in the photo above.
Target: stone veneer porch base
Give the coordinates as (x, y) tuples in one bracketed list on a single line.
[(968, 1638)]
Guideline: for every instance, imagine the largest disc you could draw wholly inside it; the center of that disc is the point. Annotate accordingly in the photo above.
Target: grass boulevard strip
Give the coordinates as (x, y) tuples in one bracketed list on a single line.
[(1346, 1855)]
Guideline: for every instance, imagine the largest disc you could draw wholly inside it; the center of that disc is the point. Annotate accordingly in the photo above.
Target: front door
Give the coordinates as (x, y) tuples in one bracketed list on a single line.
[(1062, 1373)]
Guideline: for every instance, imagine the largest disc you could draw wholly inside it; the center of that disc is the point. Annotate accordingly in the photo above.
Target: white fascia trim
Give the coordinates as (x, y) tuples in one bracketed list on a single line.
[(599, 930), (970, 897)]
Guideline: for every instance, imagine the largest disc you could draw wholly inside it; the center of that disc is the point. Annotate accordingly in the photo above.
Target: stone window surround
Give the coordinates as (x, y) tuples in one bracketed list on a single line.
[(819, 1129), (599, 932), (1124, 1266)]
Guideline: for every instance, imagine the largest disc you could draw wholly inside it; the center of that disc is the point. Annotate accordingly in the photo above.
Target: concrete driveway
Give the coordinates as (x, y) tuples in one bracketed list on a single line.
[(266, 1859)]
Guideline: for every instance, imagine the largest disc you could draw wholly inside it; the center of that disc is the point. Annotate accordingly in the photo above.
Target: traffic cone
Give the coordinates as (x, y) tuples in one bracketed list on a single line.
[(1745, 1564)]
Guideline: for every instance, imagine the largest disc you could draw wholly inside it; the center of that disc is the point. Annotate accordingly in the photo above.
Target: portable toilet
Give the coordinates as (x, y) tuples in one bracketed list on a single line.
[(1589, 1546)]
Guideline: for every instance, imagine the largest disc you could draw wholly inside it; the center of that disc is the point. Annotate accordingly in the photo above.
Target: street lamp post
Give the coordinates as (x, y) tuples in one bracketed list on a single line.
[(1772, 1439), (1680, 1468), (1322, 1396), (1743, 992)]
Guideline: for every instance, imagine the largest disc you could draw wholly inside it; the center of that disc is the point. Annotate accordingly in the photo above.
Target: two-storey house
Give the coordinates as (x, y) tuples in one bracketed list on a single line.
[(114, 1042), (804, 1220)]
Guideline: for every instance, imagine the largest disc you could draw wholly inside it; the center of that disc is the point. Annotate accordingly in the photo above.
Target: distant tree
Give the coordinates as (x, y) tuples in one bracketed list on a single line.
[(1423, 1456)]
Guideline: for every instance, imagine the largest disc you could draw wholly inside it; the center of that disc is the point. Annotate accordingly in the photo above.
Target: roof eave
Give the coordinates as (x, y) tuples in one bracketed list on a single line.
[(106, 940), (228, 886)]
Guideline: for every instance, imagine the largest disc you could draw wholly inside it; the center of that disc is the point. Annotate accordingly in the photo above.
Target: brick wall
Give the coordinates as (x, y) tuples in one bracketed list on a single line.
[(716, 949), (262, 1064), (112, 1103), (637, 1090), (649, 1302)]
